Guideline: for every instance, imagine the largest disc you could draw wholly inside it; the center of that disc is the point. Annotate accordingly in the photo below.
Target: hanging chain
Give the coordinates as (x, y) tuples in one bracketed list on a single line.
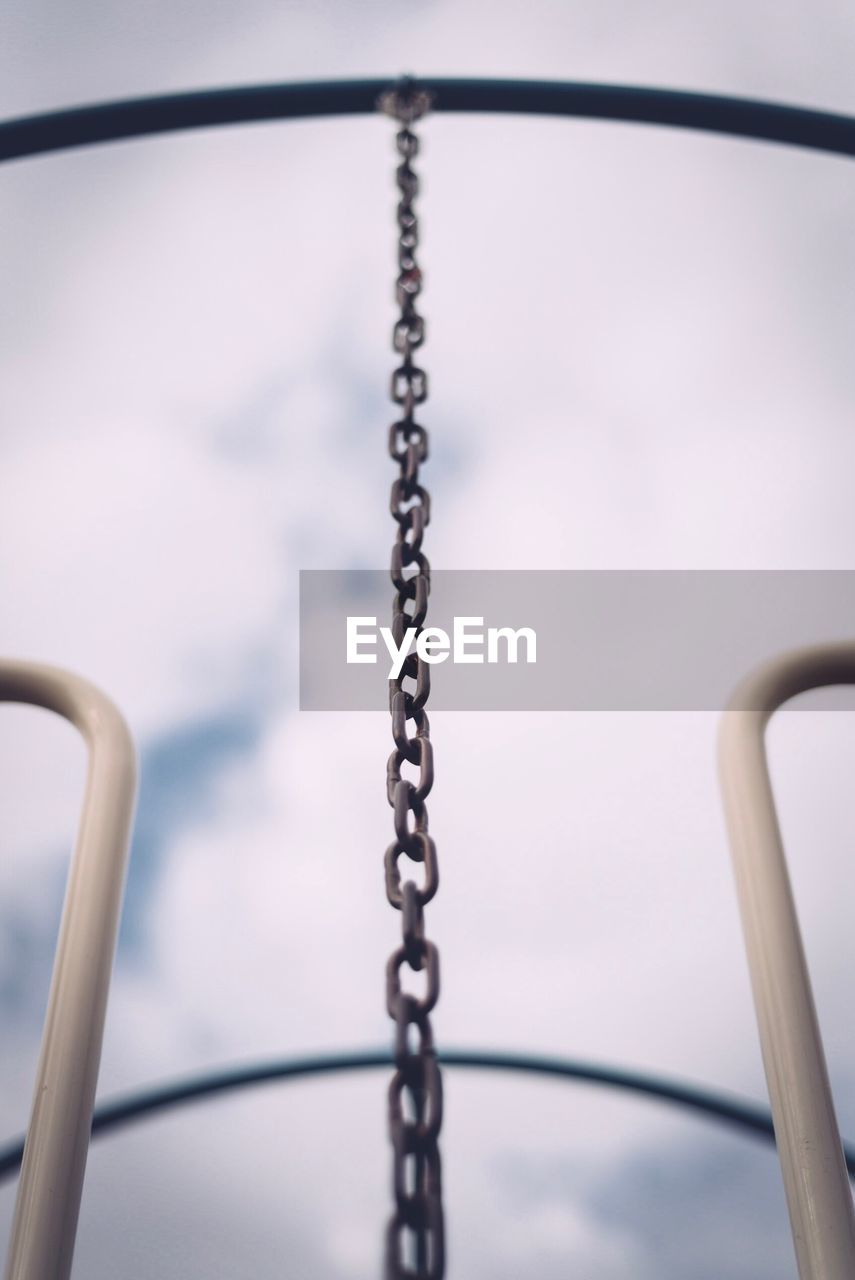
[(415, 1248)]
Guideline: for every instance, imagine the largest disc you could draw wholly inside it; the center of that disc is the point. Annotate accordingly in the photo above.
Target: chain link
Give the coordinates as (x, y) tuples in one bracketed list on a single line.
[(415, 1248)]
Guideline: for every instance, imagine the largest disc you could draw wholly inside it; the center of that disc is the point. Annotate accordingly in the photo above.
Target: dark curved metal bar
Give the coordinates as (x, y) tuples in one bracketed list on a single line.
[(748, 1116), (202, 109)]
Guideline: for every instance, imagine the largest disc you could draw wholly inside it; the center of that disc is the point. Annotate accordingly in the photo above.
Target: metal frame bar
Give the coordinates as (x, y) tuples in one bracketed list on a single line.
[(750, 1117), (54, 1159), (809, 1144), (33, 135)]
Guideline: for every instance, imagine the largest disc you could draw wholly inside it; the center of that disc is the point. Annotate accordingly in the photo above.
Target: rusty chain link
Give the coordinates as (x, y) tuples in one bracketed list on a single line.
[(415, 1247)]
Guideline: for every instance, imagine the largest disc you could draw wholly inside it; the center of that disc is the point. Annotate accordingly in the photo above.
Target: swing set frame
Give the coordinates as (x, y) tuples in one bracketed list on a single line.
[(52, 1158)]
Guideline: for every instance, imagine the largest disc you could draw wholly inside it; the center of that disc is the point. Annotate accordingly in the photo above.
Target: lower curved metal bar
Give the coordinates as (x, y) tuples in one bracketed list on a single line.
[(747, 1116)]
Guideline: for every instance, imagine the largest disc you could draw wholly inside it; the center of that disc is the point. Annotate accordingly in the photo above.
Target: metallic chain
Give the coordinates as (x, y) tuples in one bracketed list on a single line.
[(415, 1248)]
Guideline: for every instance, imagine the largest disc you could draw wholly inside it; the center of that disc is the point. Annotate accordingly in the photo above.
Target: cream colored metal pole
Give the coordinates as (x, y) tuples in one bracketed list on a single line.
[(51, 1183), (809, 1146)]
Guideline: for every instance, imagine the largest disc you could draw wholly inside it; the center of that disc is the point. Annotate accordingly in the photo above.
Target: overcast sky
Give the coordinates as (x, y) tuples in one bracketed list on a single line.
[(639, 346)]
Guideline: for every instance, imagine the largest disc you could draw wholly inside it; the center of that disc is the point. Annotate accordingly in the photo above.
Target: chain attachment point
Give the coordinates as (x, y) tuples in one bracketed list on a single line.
[(406, 103)]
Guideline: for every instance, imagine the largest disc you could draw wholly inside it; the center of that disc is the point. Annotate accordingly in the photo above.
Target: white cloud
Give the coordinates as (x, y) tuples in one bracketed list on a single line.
[(635, 360)]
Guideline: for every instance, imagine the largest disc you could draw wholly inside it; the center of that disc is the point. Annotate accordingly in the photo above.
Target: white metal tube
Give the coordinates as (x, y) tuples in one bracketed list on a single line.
[(51, 1182), (809, 1145)]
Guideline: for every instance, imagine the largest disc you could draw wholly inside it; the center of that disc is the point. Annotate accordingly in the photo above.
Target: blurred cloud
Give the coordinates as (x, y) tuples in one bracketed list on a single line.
[(179, 773), (639, 357)]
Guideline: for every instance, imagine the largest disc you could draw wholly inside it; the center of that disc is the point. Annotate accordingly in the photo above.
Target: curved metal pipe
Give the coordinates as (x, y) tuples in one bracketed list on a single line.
[(818, 1193), (203, 109), (128, 1109), (54, 1156)]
